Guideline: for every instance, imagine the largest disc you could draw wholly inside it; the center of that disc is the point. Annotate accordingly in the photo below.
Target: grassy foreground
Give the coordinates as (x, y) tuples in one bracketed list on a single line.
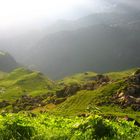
[(103, 103), (47, 127)]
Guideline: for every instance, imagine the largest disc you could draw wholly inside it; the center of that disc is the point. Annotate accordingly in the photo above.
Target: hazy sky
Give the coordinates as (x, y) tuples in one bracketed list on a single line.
[(14, 12), (20, 12)]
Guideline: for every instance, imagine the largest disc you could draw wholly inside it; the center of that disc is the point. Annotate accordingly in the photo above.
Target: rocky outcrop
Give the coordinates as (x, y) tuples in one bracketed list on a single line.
[(95, 82), (28, 103), (68, 91), (130, 95)]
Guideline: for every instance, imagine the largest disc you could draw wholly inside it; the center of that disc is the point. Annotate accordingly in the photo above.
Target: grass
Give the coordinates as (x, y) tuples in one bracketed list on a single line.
[(23, 126), (78, 78), (98, 100), (22, 81), (2, 75), (62, 122), (79, 102), (120, 74)]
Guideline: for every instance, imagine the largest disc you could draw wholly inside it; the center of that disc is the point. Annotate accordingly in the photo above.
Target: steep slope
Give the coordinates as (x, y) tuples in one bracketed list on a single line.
[(95, 42), (112, 94), (7, 62), (119, 97), (83, 99)]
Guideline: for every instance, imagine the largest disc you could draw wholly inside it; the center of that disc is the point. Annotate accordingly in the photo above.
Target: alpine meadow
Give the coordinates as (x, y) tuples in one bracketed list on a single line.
[(69, 70)]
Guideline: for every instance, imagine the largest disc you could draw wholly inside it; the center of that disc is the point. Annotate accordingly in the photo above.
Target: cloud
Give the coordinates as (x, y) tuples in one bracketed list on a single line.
[(130, 3)]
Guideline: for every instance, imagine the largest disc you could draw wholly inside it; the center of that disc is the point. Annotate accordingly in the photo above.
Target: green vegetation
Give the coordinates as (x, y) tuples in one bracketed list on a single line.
[(48, 127), (21, 82), (85, 106), (78, 78), (79, 102), (121, 74)]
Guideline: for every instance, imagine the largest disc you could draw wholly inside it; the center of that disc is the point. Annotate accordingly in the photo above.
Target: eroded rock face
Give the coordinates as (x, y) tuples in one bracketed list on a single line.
[(28, 103), (68, 91), (130, 95)]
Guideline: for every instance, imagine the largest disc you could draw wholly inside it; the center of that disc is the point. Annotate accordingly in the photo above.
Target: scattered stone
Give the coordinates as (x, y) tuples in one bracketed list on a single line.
[(130, 95)]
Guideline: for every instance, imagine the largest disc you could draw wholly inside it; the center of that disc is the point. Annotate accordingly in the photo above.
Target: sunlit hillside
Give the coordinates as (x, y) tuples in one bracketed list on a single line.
[(69, 70)]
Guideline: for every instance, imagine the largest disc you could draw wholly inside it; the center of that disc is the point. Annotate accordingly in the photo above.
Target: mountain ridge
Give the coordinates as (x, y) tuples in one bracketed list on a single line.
[(7, 62)]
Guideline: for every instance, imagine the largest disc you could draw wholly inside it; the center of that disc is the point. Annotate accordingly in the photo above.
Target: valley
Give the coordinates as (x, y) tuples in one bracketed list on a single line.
[(70, 70)]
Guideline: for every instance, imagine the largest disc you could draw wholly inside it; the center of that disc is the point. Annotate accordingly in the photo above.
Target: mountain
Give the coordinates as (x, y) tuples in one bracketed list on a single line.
[(100, 41), (7, 62), (20, 41), (99, 47)]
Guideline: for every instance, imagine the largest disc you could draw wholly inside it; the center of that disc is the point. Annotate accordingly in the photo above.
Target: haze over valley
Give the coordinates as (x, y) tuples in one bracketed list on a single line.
[(69, 70), (103, 38)]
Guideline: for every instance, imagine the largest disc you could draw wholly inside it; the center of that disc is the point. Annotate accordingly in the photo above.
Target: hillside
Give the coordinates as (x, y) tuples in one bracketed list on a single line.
[(23, 83), (115, 93), (70, 70), (118, 97), (107, 105), (7, 62)]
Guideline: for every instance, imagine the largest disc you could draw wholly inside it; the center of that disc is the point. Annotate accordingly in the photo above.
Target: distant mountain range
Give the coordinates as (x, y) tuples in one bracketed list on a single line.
[(110, 42), (99, 42)]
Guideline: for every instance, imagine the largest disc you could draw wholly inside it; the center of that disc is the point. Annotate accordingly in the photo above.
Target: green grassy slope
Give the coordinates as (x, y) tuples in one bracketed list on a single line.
[(79, 102), (78, 78), (63, 111), (100, 100), (120, 74), (97, 101), (76, 100), (22, 81), (81, 78)]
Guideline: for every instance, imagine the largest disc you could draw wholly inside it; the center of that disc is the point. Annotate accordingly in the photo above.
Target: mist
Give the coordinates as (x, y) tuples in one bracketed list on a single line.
[(53, 36), (69, 69)]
